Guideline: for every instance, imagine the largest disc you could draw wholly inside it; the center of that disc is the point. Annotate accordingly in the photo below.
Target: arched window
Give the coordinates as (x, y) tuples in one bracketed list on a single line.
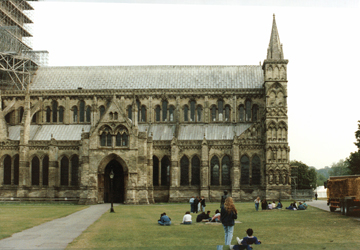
[(241, 113), (157, 113), (61, 114), (75, 170), (143, 113), (118, 139), (105, 137), (122, 137), (245, 164), (21, 113), (192, 111), (7, 170), (102, 111), (164, 110), (54, 111), (256, 168), (155, 171), (35, 171), (184, 170), (248, 111), (108, 140), (220, 110), (165, 171), (16, 169), (64, 171), (48, 114), (171, 113), (213, 113), (199, 112), (129, 110), (82, 111), (45, 170), (195, 171), (255, 113), (88, 114), (186, 113), (75, 114), (215, 170), (225, 171), (227, 113)]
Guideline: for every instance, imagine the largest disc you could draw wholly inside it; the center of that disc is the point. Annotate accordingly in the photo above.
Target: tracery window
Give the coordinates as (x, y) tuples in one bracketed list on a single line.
[(256, 170), (122, 137), (184, 170), (255, 113), (225, 171), (195, 171), (35, 171), (186, 113), (45, 170), (164, 110), (192, 111), (157, 113), (245, 164), (165, 171), (105, 137), (54, 111), (241, 113), (248, 110), (7, 170), (75, 114), (215, 171), (64, 171), (21, 113), (82, 111), (155, 171), (74, 170)]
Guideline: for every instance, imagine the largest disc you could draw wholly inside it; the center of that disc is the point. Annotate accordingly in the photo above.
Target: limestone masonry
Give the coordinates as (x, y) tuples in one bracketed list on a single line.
[(166, 132)]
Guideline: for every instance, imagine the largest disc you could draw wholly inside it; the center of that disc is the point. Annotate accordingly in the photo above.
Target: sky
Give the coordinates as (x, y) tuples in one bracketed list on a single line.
[(321, 40)]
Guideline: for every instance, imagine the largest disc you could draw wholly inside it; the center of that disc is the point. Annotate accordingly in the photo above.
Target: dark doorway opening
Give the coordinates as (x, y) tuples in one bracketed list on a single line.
[(118, 186)]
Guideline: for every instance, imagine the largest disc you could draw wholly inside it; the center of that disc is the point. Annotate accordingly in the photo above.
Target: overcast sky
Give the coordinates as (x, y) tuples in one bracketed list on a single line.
[(320, 38)]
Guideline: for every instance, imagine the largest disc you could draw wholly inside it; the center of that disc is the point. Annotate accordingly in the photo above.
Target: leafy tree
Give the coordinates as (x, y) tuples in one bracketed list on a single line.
[(354, 159), (306, 175), (339, 168), (320, 179)]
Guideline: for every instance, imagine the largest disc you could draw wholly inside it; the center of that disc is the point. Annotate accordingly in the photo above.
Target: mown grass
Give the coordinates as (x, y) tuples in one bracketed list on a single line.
[(135, 227), (16, 217)]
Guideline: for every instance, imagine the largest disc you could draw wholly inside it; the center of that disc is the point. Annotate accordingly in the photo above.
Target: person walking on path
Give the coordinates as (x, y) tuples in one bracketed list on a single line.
[(257, 202), (192, 204), (228, 216), (203, 204), (316, 195), (223, 198)]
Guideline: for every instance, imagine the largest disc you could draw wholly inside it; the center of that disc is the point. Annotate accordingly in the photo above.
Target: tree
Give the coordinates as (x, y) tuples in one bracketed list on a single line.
[(306, 176), (354, 159), (339, 168), (320, 179)]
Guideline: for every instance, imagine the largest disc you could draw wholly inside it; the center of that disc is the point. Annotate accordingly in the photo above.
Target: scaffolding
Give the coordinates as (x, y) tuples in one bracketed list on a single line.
[(18, 61)]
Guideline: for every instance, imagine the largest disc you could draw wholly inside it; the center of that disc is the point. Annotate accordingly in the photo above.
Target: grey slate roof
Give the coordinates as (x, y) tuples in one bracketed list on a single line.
[(43, 132), (148, 77), (162, 132)]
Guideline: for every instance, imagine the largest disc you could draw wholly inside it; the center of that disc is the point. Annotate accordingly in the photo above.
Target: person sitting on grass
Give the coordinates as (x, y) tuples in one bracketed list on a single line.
[(273, 205), (247, 241), (187, 218), (216, 217), (203, 217), (291, 207), (270, 206), (164, 220), (279, 205), (305, 205), (301, 206)]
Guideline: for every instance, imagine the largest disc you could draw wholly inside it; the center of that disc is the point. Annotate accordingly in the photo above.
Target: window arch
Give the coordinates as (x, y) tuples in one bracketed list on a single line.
[(45, 170), (221, 110), (164, 111), (88, 114), (75, 170), (198, 113), (255, 110), (165, 171), (245, 165), (48, 114), (35, 171), (184, 170), (75, 114), (105, 137), (54, 111), (61, 114), (227, 113), (192, 111), (213, 114), (102, 111), (64, 171), (143, 113), (195, 171), (122, 136), (248, 110), (16, 169), (155, 171), (157, 113), (171, 113), (241, 113), (256, 170), (186, 113), (7, 170), (215, 171), (225, 171), (21, 113)]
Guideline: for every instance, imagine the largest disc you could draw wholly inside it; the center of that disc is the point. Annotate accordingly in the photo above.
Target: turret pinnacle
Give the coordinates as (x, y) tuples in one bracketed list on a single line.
[(275, 48)]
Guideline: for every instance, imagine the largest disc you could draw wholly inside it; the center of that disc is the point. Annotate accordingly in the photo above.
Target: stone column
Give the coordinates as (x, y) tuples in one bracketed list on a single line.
[(235, 171), (150, 165), (174, 171), (54, 178), (204, 171), (67, 111)]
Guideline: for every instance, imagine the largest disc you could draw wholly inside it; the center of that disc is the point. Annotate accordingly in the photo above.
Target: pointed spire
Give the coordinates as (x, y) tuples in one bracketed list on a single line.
[(275, 48)]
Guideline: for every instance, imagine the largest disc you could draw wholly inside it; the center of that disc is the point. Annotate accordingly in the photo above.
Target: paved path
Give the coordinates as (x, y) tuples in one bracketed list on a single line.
[(56, 234), (323, 205)]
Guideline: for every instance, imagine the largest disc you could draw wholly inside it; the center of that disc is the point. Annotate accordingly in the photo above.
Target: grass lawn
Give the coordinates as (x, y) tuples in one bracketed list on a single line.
[(16, 217), (135, 227)]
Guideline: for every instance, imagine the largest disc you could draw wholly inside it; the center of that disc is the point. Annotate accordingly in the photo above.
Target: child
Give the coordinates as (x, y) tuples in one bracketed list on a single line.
[(247, 241)]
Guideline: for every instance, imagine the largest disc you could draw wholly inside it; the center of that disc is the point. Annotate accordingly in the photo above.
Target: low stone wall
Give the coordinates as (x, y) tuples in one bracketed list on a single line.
[(302, 194)]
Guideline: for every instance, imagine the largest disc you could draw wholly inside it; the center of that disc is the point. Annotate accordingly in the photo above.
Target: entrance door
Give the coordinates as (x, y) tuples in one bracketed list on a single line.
[(118, 185)]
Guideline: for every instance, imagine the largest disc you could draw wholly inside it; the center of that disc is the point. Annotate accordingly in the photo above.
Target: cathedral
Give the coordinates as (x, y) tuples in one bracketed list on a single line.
[(147, 134)]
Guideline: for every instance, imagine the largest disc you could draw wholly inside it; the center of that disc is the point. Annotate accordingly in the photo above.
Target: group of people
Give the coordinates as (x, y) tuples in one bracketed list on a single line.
[(267, 206), (197, 204), (295, 206)]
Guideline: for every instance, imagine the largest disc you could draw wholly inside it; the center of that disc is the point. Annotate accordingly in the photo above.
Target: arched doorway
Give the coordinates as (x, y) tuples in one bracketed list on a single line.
[(118, 186)]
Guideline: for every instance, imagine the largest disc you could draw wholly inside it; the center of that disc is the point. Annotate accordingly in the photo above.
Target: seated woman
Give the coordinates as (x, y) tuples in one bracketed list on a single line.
[(216, 217), (273, 205), (279, 205), (164, 220), (270, 206), (187, 218)]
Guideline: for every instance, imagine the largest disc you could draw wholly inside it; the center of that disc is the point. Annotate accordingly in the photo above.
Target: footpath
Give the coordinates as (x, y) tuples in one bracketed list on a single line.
[(55, 234), (322, 204)]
